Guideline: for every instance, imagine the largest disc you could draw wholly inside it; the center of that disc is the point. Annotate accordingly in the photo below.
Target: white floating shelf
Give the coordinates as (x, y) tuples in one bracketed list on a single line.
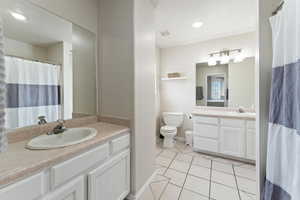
[(177, 78)]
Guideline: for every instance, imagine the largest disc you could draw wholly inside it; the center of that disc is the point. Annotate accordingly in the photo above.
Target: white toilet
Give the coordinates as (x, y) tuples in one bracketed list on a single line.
[(173, 121)]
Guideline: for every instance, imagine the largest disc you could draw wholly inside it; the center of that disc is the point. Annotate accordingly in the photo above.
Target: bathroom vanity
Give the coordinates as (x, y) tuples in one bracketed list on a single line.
[(93, 170), (228, 134)]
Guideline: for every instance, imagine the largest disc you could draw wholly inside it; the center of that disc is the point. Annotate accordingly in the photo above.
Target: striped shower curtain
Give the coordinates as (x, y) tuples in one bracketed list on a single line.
[(3, 138), (33, 90), (283, 159)]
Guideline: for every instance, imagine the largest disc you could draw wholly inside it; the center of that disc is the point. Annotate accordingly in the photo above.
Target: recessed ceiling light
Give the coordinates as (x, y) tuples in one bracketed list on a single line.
[(197, 24), (18, 16)]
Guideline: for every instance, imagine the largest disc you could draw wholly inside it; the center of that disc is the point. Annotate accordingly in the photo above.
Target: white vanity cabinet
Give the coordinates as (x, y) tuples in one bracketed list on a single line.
[(110, 181), (101, 173), (226, 136), (71, 191), (232, 137)]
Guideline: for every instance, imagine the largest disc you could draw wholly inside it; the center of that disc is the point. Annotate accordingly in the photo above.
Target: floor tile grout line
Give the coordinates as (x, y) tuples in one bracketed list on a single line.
[(209, 190), (165, 188), (167, 177), (186, 176), (237, 185)]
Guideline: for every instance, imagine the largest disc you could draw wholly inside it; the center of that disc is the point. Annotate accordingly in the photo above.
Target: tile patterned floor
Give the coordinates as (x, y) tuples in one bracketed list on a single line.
[(187, 175)]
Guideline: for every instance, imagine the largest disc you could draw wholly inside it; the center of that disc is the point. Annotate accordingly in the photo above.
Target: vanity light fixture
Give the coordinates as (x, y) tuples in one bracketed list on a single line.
[(239, 58), (225, 56), (197, 24), (18, 16), (212, 61)]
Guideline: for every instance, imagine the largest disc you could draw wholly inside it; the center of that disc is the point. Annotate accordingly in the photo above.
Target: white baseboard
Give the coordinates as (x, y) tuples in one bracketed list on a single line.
[(138, 195)]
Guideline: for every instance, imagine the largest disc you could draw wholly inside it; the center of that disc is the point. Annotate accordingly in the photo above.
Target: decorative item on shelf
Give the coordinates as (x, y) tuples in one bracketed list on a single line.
[(174, 75), (225, 56)]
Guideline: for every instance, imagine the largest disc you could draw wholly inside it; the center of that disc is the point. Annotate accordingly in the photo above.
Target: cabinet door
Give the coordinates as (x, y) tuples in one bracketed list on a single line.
[(251, 144), (232, 141), (110, 181), (71, 191)]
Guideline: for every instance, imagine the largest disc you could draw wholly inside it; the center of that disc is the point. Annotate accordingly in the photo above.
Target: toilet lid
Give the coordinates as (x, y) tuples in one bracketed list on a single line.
[(168, 128)]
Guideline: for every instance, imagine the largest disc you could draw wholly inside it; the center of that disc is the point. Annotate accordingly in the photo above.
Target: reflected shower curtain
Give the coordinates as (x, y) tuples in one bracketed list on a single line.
[(33, 89), (283, 159)]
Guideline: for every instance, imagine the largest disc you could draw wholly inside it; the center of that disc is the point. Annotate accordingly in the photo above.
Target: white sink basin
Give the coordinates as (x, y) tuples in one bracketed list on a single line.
[(69, 137)]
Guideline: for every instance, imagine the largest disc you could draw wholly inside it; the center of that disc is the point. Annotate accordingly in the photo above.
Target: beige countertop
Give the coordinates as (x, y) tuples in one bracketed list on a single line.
[(225, 114), (19, 162)]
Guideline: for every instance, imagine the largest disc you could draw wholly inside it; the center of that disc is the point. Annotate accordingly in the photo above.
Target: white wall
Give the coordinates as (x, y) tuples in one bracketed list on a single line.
[(116, 58), (145, 95), (84, 71), (81, 12), (242, 83), (179, 96), (21, 49), (127, 77)]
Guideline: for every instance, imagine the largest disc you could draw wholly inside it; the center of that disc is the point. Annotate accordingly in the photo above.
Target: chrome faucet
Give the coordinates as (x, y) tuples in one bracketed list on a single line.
[(42, 120), (60, 128)]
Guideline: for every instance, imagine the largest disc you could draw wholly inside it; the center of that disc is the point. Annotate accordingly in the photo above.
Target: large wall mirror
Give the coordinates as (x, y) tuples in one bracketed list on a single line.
[(50, 65), (227, 85)]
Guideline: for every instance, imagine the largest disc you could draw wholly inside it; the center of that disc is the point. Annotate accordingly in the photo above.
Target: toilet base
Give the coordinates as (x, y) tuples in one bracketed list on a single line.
[(169, 142)]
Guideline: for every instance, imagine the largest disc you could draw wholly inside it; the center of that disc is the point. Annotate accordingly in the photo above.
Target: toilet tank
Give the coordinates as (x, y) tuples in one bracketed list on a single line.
[(173, 118)]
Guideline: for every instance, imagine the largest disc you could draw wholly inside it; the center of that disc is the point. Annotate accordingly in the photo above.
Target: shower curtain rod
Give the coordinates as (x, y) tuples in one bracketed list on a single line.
[(34, 60), (279, 7)]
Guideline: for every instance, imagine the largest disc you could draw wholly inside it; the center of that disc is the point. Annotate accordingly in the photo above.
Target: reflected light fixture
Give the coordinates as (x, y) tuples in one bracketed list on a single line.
[(197, 24), (18, 16)]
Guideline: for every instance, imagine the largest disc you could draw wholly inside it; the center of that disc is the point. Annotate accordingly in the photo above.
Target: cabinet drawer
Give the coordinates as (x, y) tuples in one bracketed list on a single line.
[(206, 144), (207, 120), (27, 189), (251, 124), (120, 143), (206, 130), (70, 168), (233, 123)]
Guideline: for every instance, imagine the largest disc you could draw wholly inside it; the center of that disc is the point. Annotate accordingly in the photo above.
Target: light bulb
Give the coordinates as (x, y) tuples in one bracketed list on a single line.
[(224, 59)]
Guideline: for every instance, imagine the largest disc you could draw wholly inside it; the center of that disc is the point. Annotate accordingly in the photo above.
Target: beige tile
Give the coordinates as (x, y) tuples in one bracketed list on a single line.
[(184, 157), (163, 161), (171, 193), (159, 178), (161, 170), (223, 178), (223, 167), (202, 162), (147, 194), (245, 172), (168, 154), (199, 171), (197, 185), (176, 177), (158, 188), (189, 195), (180, 166), (246, 185), (221, 192), (247, 196)]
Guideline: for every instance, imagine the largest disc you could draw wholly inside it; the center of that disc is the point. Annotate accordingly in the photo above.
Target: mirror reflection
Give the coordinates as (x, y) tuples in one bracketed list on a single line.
[(226, 85), (45, 56)]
